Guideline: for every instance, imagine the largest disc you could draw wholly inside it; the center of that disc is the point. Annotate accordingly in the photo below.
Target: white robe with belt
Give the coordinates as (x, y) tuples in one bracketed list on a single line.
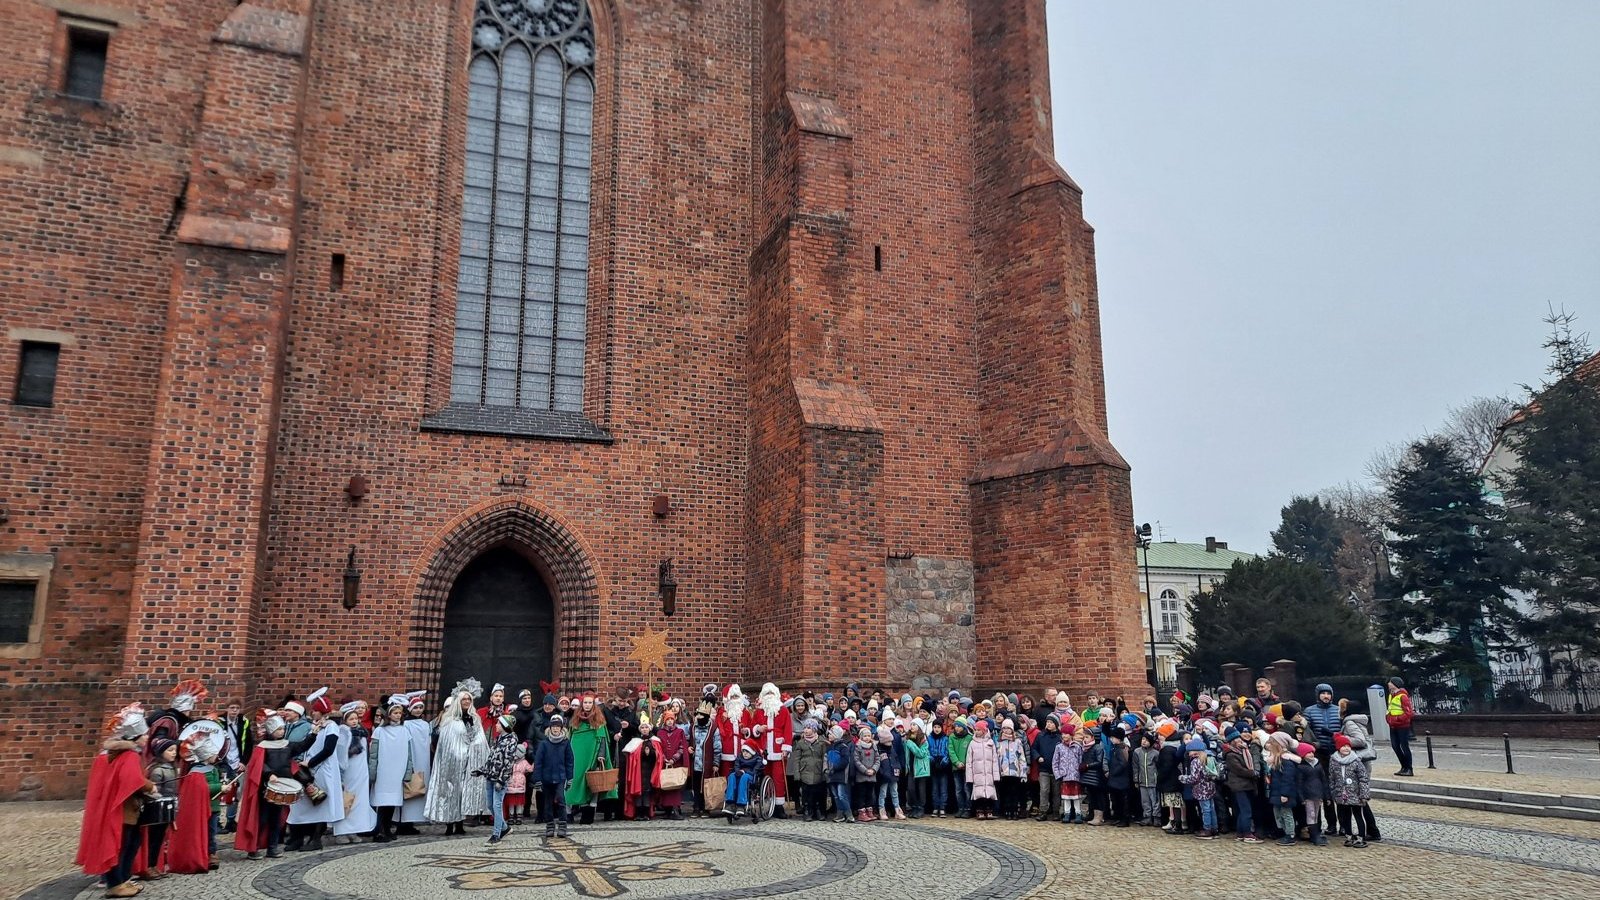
[(303, 811), (361, 818), (392, 744), (415, 810)]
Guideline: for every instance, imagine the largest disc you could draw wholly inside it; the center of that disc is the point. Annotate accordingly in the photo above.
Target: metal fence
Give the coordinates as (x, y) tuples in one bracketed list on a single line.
[(1559, 687)]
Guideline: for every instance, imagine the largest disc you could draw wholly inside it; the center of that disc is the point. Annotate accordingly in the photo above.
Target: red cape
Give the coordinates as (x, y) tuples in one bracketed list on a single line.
[(111, 783), (631, 785), (189, 838), (248, 838)]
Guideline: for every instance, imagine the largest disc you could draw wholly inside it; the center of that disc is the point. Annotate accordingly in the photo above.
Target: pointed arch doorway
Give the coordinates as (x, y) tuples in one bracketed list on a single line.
[(499, 625)]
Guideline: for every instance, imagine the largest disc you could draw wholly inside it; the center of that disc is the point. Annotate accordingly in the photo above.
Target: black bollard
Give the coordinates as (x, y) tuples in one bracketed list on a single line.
[(1427, 737), (1509, 770)]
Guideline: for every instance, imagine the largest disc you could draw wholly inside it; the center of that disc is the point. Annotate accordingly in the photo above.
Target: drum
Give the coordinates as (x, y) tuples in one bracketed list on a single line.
[(203, 741), (282, 791), (161, 811)]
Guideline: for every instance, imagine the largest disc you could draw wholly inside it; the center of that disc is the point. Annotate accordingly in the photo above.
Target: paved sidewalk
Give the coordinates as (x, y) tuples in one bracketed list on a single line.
[(1426, 853), (1563, 766)]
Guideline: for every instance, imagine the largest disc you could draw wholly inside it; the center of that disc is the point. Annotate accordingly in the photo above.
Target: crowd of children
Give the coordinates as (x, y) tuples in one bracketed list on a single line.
[(1262, 768)]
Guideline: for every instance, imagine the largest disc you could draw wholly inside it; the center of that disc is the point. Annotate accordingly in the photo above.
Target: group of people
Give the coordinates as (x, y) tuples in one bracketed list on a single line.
[(166, 784)]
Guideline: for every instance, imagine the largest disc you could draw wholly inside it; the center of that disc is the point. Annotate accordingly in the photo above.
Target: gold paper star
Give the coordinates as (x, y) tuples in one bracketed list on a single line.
[(650, 651)]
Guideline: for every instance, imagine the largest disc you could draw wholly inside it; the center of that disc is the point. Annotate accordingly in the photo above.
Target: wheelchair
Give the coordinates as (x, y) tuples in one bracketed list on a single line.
[(763, 797)]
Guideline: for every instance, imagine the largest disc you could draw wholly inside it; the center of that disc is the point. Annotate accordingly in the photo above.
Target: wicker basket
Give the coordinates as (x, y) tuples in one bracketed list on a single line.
[(601, 781)]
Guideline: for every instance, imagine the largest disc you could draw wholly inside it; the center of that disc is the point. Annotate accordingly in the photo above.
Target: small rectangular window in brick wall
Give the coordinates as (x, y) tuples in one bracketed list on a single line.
[(16, 610), (36, 373), (84, 74)]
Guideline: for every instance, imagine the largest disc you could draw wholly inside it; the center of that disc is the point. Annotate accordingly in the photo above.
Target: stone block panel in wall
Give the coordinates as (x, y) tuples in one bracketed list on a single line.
[(933, 641)]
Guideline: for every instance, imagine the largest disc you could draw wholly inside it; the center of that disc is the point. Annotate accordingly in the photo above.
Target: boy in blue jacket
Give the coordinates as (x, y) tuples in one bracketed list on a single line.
[(552, 769)]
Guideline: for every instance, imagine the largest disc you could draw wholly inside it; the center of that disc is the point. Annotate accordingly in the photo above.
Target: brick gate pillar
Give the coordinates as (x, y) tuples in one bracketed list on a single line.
[(197, 585)]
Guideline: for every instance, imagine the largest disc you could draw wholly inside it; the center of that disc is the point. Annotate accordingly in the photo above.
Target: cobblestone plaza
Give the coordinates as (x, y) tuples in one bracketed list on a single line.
[(1426, 852)]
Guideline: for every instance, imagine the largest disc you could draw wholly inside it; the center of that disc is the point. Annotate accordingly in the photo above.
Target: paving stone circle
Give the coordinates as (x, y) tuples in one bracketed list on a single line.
[(680, 860)]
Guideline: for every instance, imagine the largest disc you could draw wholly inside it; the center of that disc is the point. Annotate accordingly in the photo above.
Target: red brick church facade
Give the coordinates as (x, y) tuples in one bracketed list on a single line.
[(519, 299)]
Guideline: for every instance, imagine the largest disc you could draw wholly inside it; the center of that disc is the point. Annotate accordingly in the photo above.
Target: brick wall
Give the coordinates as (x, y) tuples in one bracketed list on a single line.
[(788, 337)]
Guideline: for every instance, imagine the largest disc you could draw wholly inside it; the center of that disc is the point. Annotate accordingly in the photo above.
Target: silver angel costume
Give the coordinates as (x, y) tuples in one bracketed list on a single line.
[(453, 793)]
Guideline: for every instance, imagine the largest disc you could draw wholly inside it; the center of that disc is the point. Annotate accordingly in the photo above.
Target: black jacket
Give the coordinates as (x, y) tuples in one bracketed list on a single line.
[(1168, 766)]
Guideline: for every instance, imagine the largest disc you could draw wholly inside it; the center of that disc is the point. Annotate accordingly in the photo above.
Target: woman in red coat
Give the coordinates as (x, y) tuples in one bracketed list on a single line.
[(675, 753)]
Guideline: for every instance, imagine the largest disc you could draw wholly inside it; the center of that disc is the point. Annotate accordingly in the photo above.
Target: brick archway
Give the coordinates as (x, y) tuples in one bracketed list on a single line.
[(551, 546)]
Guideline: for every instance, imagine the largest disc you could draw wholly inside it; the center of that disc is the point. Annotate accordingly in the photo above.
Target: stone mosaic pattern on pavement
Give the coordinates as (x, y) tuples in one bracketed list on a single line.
[(1425, 853)]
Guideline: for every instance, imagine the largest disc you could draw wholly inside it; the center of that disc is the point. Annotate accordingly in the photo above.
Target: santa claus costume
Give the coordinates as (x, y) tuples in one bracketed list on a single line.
[(110, 841), (733, 726), (773, 732)]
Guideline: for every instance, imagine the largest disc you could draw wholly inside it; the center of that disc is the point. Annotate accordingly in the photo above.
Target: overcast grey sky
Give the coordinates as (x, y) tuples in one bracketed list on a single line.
[(1320, 226)]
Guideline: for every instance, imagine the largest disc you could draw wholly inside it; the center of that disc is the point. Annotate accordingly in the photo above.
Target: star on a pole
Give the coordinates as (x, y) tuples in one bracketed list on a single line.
[(650, 651)]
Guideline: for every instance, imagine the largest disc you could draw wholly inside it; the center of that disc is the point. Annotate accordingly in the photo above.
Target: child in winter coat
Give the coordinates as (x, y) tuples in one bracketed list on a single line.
[(960, 741), (1313, 785), (939, 767), (1092, 775), (919, 768), (808, 762), (1144, 776), (1119, 778), (1350, 786), (1169, 783), (865, 758), (983, 771), (1065, 766), (517, 788), (839, 764), (1283, 785), (746, 769), (1202, 786), (889, 765)]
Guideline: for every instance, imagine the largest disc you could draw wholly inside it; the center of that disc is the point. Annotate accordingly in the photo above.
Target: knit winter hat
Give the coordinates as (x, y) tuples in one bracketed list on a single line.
[(550, 700), (884, 734), (983, 726), (1305, 751), (1340, 742), (1231, 735), (835, 733)]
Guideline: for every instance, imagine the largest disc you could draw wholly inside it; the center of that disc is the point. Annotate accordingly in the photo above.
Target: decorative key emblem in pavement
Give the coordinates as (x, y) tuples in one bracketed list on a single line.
[(593, 871)]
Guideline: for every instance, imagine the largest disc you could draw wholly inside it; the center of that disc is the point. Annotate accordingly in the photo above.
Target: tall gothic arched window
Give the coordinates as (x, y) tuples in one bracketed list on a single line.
[(522, 293)]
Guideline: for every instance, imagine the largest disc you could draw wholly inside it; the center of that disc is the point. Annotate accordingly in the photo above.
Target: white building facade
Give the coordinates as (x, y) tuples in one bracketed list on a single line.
[(1176, 571)]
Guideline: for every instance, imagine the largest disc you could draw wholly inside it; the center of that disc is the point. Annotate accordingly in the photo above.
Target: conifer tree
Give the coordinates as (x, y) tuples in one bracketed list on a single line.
[(1454, 571)]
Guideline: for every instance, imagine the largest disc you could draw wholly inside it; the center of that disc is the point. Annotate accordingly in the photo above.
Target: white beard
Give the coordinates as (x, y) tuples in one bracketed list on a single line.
[(734, 709), (770, 704)]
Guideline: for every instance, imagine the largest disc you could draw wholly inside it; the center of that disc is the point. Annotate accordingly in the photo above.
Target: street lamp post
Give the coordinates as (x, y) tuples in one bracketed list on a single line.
[(1142, 537)]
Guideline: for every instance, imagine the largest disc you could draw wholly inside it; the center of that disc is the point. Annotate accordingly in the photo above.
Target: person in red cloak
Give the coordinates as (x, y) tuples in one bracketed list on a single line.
[(189, 841), (111, 839), (642, 774), (773, 730), (260, 822), (733, 724)]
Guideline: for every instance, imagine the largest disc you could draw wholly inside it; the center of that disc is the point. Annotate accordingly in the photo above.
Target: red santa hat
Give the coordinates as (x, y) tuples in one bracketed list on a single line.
[(414, 699), (317, 701)]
